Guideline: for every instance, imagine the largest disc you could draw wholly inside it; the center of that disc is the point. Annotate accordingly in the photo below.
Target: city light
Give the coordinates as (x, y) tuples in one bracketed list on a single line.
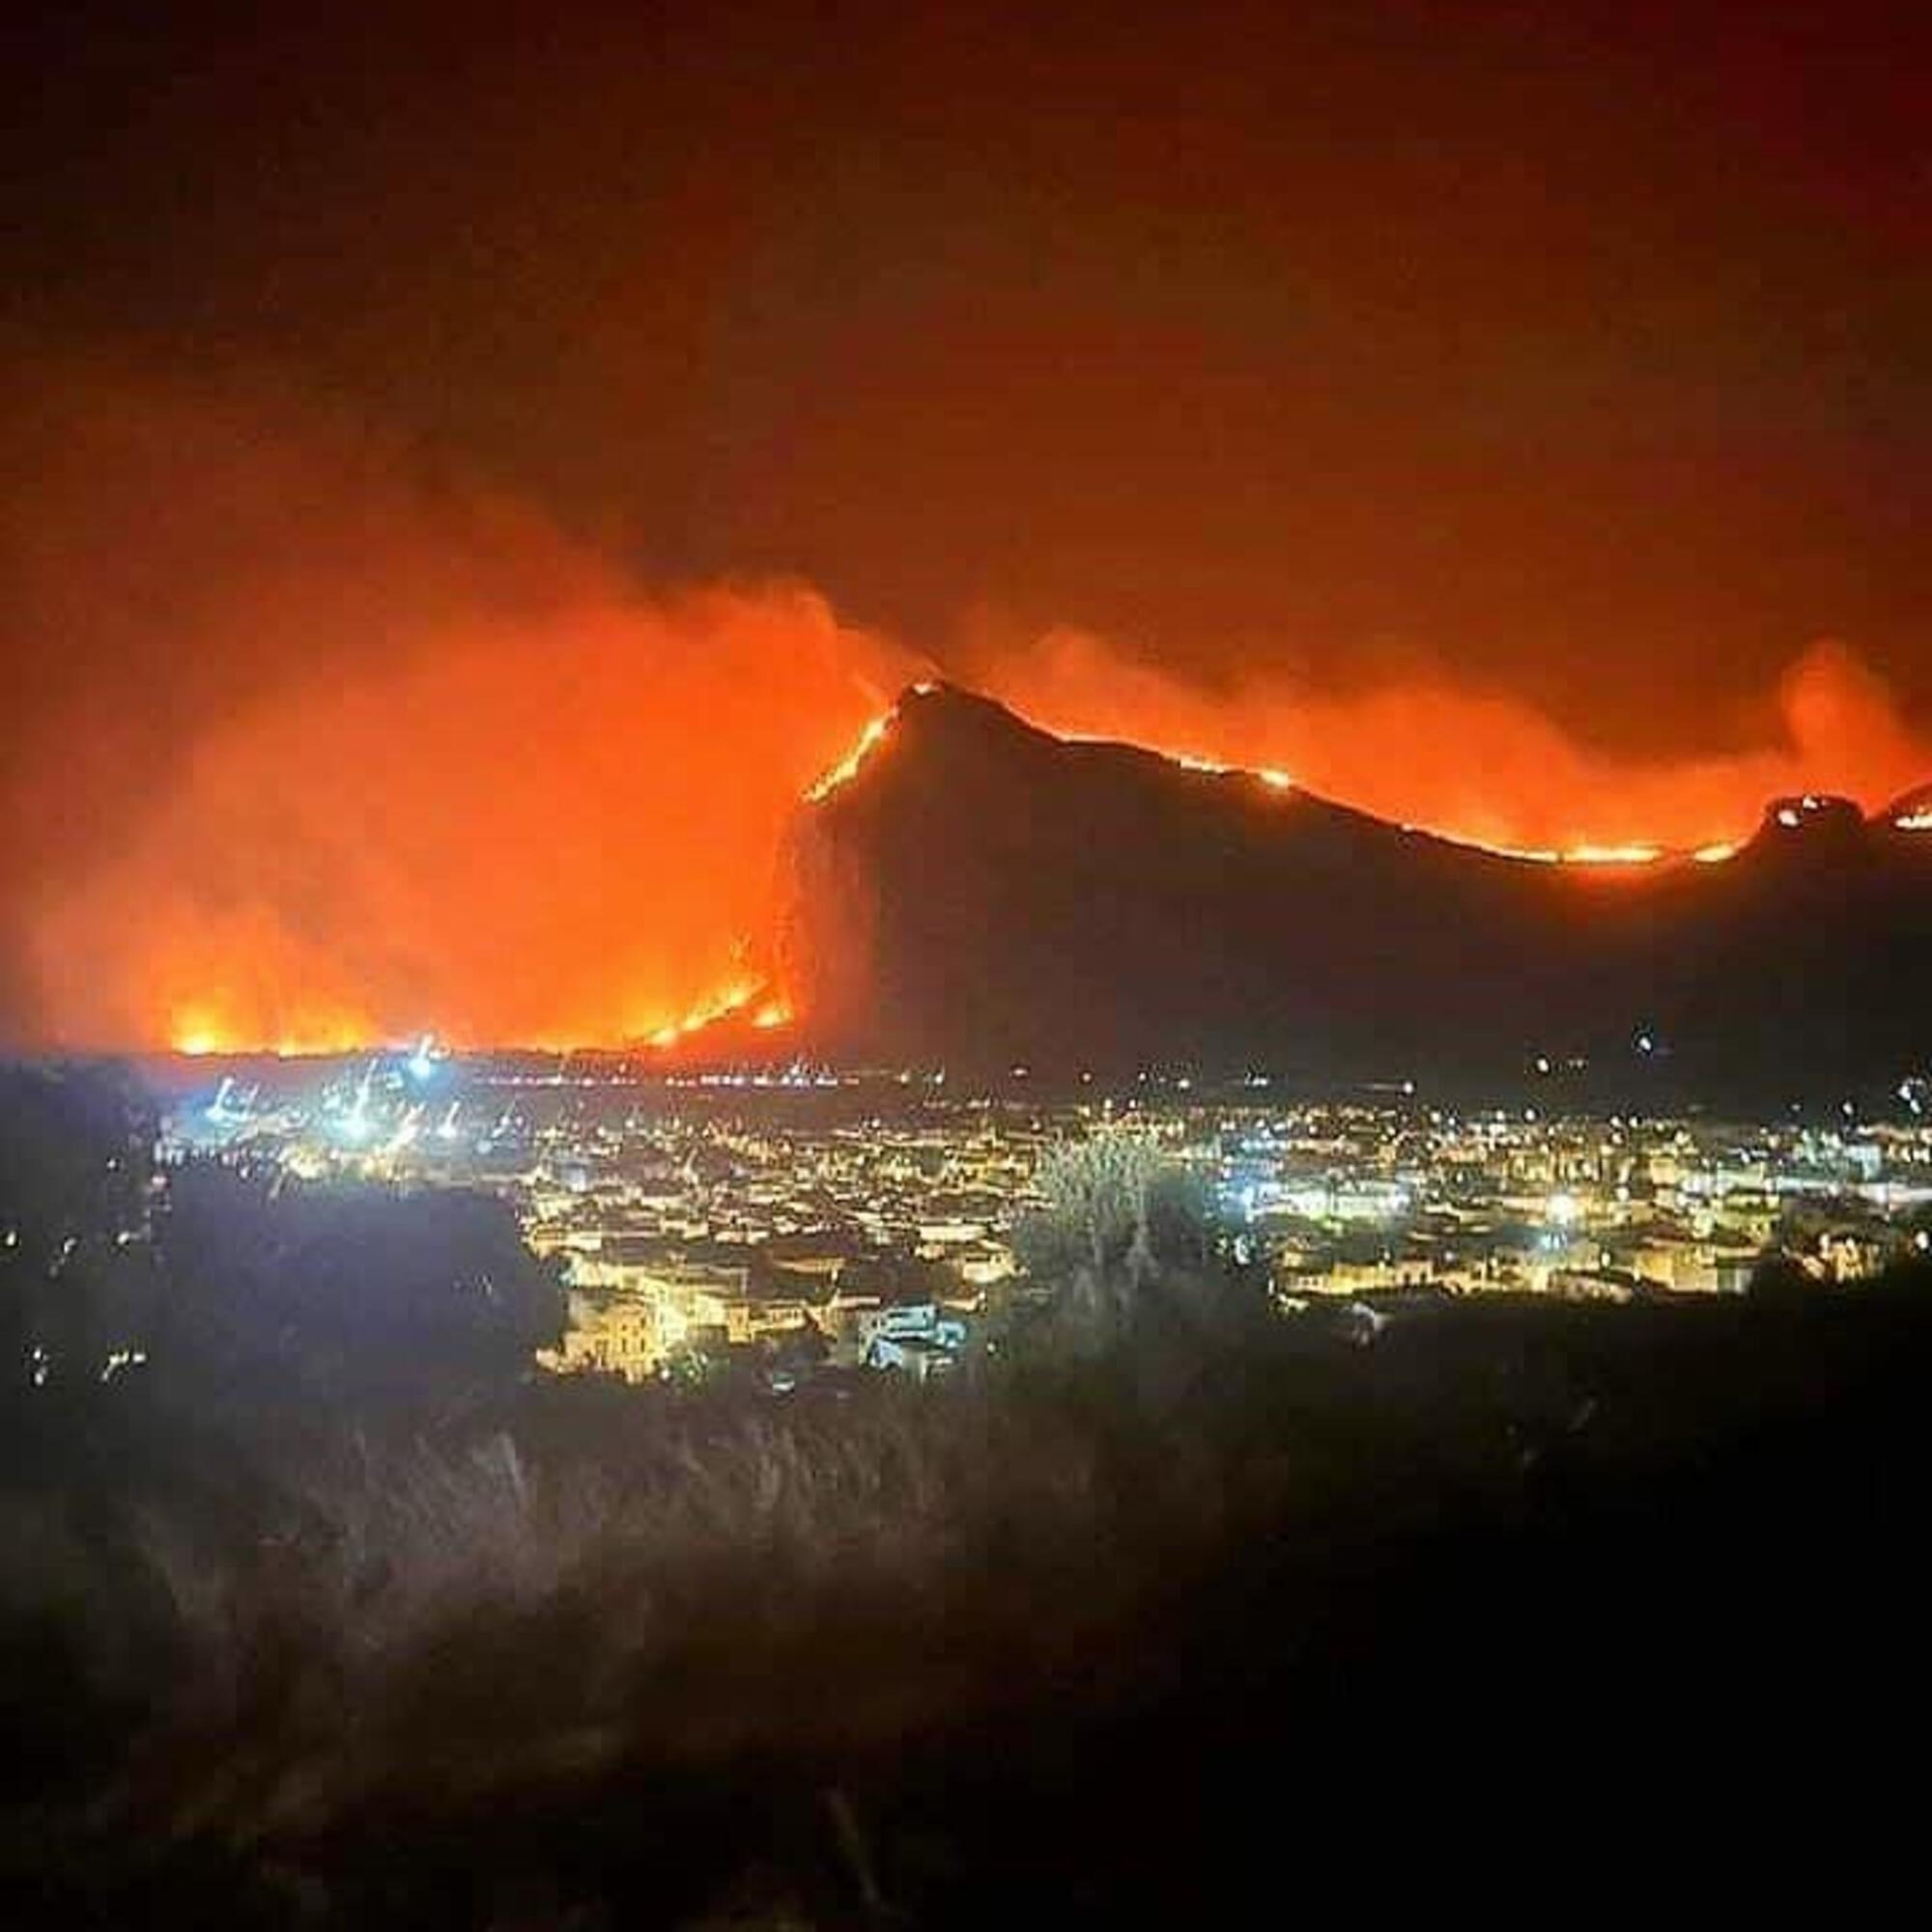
[(1677, 1205)]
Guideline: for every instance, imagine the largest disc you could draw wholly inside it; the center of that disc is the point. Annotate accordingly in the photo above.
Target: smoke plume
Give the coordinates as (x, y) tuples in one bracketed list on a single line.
[(1483, 765), (311, 743), (313, 746)]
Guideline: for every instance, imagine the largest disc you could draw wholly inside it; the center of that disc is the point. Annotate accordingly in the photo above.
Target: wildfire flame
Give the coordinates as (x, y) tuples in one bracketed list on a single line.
[(202, 1031), (1625, 857), (427, 754), (866, 743), (754, 999), (1482, 768), (732, 999), (847, 767), (1612, 855)]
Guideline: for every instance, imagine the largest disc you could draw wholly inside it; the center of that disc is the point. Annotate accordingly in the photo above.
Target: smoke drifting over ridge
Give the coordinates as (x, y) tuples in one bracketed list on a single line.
[(311, 745), (1483, 765)]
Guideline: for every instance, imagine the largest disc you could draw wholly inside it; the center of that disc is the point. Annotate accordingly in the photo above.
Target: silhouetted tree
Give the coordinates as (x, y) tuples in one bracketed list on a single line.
[(1128, 1246), (1092, 1241), (349, 1293)]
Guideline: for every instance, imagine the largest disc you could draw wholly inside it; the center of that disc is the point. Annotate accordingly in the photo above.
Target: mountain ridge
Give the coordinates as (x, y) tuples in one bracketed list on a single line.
[(976, 890)]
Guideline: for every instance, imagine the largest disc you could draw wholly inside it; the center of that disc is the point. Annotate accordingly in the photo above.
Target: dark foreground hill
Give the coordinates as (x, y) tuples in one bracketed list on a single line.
[(980, 894), (320, 1610), (1515, 1607)]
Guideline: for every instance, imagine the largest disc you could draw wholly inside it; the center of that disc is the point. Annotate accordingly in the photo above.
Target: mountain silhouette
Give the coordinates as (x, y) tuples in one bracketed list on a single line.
[(976, 893)]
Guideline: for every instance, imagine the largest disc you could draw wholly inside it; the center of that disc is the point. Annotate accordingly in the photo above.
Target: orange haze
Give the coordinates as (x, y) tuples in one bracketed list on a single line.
[(318, 748), (1480, 765), (310, 745)]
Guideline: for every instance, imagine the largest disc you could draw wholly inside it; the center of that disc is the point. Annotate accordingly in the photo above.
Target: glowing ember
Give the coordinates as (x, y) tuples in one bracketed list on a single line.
[(297, 1000), (199, 1031), (1612, 855), (1528, 855), (719, 1006), (1583, 853), (1482, 768), (847, 767)]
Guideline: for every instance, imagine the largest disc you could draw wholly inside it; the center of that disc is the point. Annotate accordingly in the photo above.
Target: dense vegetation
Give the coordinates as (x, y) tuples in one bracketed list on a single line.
[(1175, 1612)]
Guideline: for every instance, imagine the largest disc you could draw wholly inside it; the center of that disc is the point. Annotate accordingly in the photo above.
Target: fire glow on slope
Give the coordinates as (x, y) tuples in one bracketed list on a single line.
[(311, 751), (201, 1030), (836, 776), (752, 1000), (442, 847), (308, 752), (1272, 778), (1484, 769), (246, 981)]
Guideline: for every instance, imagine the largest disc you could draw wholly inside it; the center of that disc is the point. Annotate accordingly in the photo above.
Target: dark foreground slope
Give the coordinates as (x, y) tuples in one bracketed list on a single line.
[(1520, 1605), (981, 893), (319, 1610)]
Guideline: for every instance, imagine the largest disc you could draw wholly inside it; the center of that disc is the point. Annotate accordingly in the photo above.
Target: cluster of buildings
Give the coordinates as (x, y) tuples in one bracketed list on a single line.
[(1351, 1199), (861, 1242), (850, 1225)]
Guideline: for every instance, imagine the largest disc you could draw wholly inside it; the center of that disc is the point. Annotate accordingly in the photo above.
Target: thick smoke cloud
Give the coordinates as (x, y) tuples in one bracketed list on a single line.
[(1483, 765), (310, 744)]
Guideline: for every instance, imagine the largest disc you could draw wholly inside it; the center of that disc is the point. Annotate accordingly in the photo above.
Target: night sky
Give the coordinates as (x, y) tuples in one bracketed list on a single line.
[(420, 435)]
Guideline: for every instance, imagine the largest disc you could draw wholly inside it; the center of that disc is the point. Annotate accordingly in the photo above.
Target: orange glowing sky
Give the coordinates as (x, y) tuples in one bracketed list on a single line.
[(410, 756), (461, 482), (1484, 766)]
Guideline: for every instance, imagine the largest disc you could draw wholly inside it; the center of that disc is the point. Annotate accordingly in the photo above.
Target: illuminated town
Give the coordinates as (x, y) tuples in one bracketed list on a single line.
[(870, 1219)]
